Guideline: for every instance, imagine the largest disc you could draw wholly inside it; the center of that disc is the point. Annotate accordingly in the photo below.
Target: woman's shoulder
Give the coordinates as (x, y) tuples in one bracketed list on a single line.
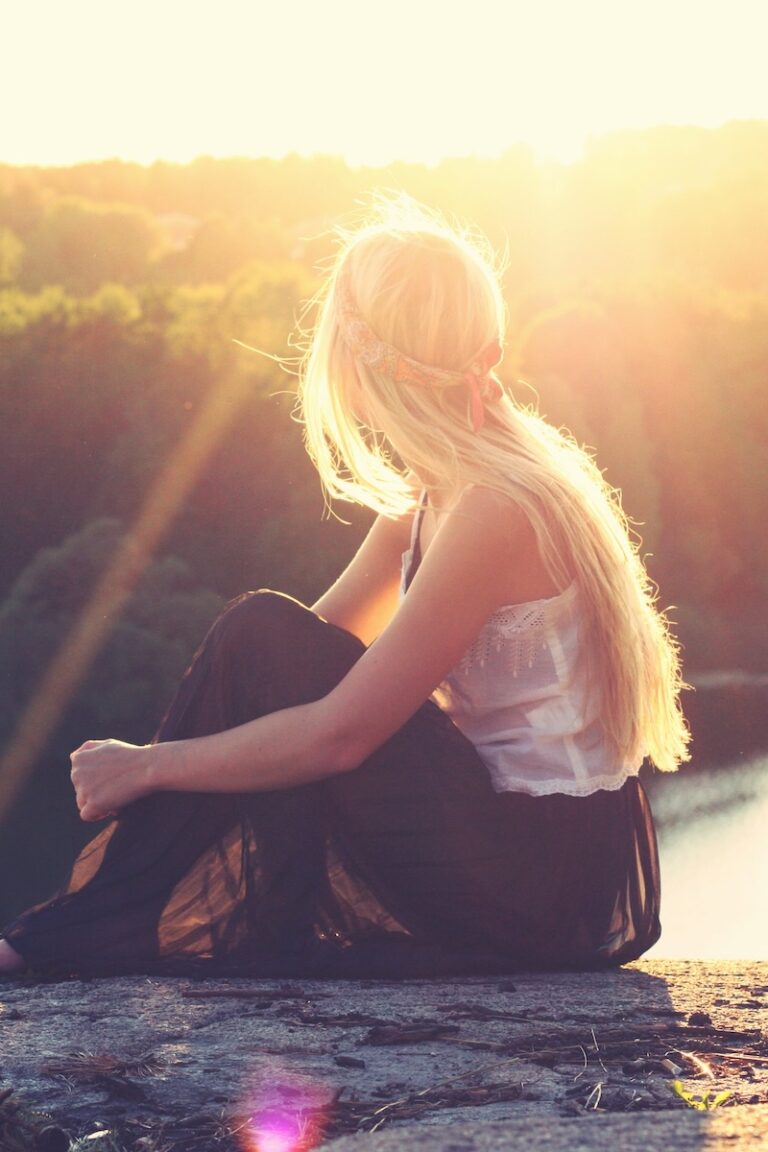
[(498, 511), (510, 538)]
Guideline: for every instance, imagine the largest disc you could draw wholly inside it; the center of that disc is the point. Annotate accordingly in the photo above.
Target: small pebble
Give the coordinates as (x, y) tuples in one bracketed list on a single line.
[(349, 1062)]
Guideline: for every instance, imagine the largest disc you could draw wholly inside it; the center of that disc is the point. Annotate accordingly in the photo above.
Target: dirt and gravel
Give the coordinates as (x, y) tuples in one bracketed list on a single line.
[(659, 1054)]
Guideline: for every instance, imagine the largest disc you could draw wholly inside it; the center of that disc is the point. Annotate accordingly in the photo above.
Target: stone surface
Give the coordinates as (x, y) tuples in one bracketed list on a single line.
[(732, 1128), (563, 1060)]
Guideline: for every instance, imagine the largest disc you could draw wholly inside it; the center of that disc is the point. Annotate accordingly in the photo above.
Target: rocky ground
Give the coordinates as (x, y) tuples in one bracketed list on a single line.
[(659, 1054)]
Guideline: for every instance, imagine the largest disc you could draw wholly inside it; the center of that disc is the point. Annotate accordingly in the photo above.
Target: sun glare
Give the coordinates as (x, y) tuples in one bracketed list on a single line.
[(284, 1114), (373, 83)]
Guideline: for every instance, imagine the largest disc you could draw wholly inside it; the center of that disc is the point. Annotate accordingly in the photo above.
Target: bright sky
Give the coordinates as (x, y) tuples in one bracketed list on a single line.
[(407, 79)]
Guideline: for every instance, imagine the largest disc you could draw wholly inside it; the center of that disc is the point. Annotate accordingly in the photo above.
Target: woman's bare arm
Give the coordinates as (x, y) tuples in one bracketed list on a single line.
[(364, 598), (463, 577)]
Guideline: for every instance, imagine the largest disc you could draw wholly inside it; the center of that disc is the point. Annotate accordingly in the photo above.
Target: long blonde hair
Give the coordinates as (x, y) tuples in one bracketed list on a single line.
[(432, 292)]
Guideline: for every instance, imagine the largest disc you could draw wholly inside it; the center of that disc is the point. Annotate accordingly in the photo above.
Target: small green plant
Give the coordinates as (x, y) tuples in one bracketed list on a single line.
[(705, 1103)]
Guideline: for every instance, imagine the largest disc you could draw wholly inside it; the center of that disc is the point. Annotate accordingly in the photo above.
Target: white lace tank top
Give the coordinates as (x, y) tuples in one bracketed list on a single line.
[(519, 696)]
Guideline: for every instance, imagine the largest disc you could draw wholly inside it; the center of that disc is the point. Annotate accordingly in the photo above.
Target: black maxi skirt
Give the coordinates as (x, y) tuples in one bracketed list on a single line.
[(410, 865)]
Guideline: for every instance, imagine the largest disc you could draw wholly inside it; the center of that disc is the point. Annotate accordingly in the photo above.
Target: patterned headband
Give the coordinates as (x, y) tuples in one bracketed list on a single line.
[(387, 361)]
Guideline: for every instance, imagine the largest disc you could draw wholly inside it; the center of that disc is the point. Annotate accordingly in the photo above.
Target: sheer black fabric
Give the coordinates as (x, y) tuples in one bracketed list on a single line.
[(409, 865)]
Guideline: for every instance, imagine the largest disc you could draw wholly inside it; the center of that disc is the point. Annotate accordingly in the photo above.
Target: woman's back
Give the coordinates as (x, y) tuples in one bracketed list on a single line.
[(519, 692)]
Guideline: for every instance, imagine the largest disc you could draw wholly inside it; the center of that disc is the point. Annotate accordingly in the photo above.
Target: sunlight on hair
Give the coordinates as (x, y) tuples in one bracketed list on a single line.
[(430, 287), (70, 664)]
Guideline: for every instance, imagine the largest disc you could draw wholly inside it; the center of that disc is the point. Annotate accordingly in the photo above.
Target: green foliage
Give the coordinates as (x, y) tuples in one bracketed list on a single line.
[(707, 1102), (11, 255), (134, 676), (81, 245)]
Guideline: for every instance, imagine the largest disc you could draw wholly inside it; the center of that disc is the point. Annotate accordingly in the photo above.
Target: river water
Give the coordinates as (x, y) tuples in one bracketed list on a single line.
[(713, 842)]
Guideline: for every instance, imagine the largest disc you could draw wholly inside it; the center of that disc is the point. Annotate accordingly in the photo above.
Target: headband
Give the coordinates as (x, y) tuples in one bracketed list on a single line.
[(387, 361)]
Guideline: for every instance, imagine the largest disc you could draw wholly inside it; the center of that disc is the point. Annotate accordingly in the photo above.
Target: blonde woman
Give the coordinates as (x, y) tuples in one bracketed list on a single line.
[(435, 768)]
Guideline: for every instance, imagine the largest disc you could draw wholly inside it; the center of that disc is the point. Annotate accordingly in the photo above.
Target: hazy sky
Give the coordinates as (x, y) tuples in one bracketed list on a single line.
[(409, 79)]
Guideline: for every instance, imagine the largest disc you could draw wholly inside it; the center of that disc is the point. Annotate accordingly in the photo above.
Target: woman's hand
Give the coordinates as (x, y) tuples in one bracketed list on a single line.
[(108, 774)]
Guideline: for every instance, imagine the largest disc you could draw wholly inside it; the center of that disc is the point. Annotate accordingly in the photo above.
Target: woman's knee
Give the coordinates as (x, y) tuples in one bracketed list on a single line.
[(262, 614), (279, 634)]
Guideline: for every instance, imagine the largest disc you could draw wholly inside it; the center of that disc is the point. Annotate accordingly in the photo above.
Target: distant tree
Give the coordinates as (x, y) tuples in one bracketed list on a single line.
[(23, 199), (262, 305), (150, 645), (222, 245), (69, 373), (82, 245), (11, 255)]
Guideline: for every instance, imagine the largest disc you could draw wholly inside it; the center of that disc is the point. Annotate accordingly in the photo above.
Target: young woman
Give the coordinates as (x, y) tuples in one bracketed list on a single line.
[(435, 768)]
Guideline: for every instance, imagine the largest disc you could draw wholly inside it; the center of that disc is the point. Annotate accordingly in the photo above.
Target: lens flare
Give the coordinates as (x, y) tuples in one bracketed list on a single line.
[(284, 1116), (90, 632)]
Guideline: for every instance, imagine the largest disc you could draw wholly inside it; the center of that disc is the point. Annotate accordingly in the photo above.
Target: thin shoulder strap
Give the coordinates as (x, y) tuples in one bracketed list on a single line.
[(416, 526), (415, 548)]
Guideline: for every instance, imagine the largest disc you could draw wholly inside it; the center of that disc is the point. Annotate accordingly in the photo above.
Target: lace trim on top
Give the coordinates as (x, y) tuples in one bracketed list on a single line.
[(517, 630), (607, 782)]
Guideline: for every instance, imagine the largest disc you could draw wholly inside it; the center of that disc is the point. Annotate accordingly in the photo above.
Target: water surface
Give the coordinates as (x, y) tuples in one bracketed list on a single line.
[(713, 840)]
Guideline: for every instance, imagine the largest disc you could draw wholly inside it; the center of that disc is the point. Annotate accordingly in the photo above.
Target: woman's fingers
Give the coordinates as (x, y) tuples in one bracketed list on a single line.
[(87, 775), (107, 775), (89, 744), (90, 814)]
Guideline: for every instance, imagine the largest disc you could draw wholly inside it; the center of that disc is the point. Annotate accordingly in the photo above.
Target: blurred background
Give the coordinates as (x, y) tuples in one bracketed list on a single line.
[(170, 184)]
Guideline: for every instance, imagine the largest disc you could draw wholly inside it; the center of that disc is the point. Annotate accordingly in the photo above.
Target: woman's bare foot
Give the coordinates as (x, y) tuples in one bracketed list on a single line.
[(10, 961)]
